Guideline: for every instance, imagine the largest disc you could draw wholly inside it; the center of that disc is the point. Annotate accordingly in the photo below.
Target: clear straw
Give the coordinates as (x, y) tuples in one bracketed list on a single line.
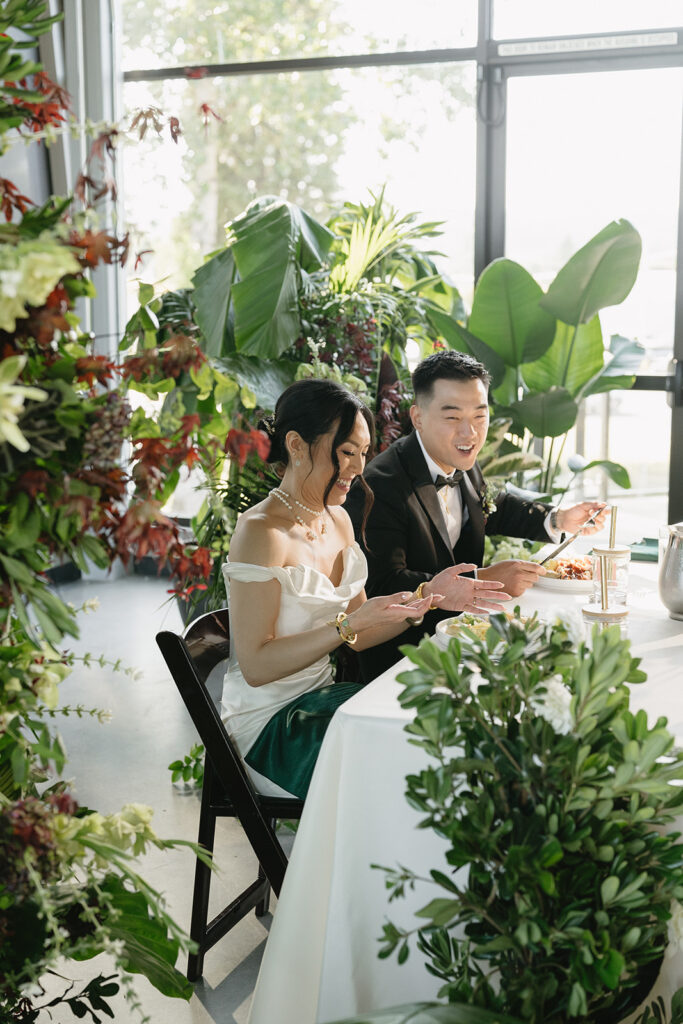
[(603, 581), (613, 526)]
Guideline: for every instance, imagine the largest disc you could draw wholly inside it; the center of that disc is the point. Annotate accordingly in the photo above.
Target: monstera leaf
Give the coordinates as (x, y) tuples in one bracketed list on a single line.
[(600, 274)]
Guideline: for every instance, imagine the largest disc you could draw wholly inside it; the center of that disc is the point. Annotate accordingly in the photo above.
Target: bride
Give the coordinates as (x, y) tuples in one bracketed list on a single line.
[(295, 580)]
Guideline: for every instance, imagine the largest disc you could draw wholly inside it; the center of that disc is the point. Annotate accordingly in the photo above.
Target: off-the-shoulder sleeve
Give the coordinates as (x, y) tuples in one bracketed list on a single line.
[(247, 572)]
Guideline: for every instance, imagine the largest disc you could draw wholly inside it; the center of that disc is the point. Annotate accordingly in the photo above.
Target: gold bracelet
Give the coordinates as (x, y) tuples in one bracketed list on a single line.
[(343, 626), (418, 595)]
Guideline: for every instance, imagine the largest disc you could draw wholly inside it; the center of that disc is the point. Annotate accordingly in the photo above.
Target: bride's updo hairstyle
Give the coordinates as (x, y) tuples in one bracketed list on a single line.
[(312, 407)]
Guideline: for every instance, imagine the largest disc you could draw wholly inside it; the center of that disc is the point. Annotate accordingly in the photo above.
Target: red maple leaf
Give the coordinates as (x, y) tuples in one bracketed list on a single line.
[(11, 199)]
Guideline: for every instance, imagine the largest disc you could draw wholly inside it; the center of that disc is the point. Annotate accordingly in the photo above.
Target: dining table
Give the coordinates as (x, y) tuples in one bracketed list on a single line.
[(321, 959)]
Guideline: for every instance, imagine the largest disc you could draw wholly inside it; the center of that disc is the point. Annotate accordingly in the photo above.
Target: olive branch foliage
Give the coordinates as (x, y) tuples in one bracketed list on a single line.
[(559, 866)]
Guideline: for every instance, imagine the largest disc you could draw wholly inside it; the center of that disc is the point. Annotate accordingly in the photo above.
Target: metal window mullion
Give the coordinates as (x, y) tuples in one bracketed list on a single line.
[(676, 451)]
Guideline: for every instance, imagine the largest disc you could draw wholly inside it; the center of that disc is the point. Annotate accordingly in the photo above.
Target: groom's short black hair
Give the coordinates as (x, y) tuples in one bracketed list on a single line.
[(446, 365)]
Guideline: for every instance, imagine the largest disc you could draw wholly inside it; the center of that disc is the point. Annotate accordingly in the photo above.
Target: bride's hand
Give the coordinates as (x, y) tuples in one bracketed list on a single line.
[(379, 611)]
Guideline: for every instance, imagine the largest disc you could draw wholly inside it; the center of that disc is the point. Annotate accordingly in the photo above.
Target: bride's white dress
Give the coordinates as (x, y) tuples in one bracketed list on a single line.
[(309, 599)]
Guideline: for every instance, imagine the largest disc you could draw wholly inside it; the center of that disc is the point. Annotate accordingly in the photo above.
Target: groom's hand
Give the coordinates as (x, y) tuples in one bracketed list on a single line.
[(464, 593), (514, 574)]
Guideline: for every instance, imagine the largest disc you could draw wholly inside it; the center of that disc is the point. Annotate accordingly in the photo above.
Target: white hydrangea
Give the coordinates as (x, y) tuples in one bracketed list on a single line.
[(12, 398), (29, 271), (675, 929), (554, 705)]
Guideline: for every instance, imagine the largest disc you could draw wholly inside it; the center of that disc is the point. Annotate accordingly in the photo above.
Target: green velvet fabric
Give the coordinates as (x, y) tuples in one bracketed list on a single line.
[(287, 747)]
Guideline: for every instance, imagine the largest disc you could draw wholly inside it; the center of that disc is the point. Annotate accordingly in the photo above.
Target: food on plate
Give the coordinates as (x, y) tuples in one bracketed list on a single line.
[(477, 624), (578, 568)]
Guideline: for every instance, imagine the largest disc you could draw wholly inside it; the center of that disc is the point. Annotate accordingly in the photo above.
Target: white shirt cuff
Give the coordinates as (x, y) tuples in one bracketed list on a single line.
[(554, 535)]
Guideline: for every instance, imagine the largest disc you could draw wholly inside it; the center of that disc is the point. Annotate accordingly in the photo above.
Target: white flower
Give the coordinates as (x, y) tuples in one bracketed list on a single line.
[(554, 705), (12, 398), (104, 716), (29, 271), (675, 929), (91, 605), (570, 618)]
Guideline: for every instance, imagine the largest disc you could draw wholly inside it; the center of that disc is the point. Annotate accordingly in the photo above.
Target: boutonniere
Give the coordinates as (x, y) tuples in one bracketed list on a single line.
[(487, 496)]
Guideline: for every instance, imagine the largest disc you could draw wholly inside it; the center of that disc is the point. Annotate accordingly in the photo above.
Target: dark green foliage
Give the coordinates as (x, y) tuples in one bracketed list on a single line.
[(555, 800)]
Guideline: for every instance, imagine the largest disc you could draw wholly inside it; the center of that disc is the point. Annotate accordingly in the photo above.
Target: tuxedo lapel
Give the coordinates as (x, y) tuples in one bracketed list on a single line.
[(415, 466), (470, 544)]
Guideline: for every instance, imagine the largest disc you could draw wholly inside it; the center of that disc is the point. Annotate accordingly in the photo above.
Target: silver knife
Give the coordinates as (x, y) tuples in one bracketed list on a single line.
[(565, 543)]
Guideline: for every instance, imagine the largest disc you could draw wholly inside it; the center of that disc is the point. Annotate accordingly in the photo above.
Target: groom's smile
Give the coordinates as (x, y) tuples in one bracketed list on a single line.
[(453, 422)]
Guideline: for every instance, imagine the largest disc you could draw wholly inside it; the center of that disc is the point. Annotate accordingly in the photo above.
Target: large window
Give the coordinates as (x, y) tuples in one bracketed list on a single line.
[(525, 132), (317, 138), (175, 33), (515, 19)]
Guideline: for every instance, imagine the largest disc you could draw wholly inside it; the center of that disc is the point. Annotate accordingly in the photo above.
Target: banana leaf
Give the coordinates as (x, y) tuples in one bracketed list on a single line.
[(600, 274), (620, 370), (266, 378), (462, 340), (575, 357), (548, 413), (507, 316)]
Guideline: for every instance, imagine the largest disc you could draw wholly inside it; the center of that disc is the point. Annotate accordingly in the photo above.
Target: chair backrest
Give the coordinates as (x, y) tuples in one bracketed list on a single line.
[(190, 660)]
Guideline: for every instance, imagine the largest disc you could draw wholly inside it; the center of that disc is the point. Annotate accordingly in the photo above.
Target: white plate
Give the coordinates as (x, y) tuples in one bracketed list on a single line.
[(564, 586), (442, 636)]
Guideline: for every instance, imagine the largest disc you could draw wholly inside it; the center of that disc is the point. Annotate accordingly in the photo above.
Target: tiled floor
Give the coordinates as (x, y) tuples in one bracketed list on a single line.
[(126, 761)]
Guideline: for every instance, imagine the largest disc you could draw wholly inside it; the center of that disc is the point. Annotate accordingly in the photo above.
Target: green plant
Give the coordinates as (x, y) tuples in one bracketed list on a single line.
[(554, 799), (190, 768), (69, 888), (288, 297), (546, 350)]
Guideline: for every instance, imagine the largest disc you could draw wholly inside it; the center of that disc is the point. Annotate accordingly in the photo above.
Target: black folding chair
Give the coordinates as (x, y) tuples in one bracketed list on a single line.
[(228, 791)]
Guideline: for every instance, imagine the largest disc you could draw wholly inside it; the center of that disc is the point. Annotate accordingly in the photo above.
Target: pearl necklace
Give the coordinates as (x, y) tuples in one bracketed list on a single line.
[(284, 498)]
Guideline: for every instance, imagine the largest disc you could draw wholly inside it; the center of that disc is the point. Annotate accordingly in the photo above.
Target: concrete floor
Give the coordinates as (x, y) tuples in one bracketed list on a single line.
[(126, 761)]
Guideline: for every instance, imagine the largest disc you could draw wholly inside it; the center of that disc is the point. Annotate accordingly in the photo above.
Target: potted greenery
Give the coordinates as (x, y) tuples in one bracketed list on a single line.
[(562, 877)]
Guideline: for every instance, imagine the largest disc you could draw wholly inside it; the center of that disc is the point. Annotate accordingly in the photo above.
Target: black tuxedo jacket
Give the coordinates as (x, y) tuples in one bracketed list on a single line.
[(406, 537)]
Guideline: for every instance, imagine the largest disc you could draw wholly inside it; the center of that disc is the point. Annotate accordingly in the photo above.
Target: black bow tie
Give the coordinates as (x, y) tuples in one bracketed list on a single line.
[(449, 481)]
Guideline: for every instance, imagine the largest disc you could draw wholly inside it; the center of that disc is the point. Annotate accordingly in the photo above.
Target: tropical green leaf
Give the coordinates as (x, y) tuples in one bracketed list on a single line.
[(148, 949), (600, 274), (267, 379), (462, 340), (269, 242), (614, 470), (620, 370), (575, 357), (213, 282), (507, 316), (547, 414), (507, 465)]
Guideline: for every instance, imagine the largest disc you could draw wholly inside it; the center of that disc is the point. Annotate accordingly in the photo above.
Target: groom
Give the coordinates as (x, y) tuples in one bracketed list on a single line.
[(431, 511)]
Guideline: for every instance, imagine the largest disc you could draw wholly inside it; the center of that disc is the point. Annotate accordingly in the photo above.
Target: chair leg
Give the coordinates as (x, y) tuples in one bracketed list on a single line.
[(261, 907), (202, 880)]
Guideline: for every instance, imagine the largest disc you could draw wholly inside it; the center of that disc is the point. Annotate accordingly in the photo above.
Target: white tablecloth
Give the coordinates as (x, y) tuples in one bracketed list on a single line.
[(320, 962)]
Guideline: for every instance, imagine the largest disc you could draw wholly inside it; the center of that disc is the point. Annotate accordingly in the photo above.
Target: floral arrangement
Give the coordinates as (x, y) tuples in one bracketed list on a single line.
[(68, 884), (562, 884)]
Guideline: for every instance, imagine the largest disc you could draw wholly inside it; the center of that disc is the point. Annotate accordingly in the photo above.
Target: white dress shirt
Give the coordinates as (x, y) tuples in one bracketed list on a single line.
[(450, 501)]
